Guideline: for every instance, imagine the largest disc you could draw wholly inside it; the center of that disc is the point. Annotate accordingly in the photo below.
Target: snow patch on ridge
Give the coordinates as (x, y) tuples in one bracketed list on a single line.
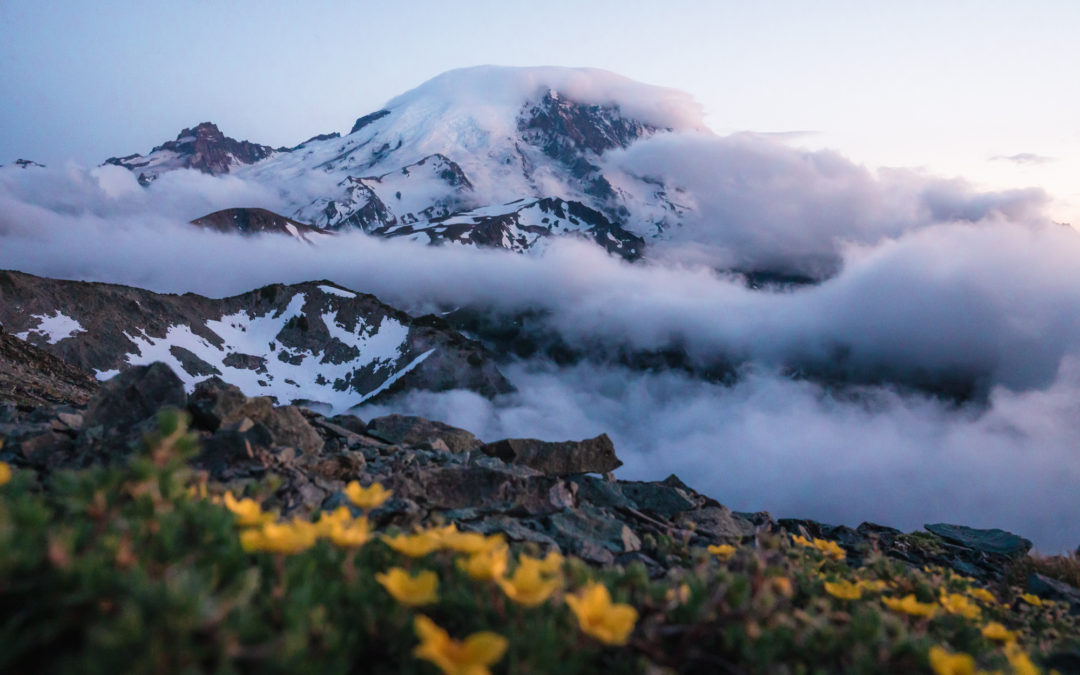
[(252, 356), (340, 292), (53, 328)]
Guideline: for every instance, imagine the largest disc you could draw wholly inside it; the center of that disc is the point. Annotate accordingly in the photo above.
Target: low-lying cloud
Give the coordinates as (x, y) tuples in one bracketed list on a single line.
[(770, 443), (928, 277)]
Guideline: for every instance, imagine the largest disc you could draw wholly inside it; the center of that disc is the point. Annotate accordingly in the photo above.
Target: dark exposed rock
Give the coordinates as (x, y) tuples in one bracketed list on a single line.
[(135, 395), (1052, 589), (564, 128), (213, 401), (368, 119), (986, 541), (203, 148), (406, 430), (31, 376), (319, 137), (592, 455), (250, 221)]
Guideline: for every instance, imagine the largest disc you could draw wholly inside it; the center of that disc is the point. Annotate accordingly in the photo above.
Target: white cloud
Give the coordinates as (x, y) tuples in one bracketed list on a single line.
[(929, 279)]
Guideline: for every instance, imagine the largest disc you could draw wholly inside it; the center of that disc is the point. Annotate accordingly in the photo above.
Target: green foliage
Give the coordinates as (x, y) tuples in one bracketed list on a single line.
[(136, 569)]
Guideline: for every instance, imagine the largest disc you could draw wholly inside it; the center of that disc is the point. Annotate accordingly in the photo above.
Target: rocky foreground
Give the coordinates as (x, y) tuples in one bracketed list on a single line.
[(543, 496)]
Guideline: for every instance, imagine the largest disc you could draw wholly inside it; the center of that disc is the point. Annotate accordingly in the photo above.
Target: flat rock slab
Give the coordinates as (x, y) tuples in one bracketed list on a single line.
[(985, 541), (408, 430), (592, 455)]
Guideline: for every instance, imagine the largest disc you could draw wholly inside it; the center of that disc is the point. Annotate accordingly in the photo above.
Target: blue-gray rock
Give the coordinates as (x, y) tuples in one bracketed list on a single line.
[(986, 541)]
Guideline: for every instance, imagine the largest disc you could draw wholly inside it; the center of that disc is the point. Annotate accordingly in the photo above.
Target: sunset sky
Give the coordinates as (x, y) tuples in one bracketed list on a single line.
[(983, 90)]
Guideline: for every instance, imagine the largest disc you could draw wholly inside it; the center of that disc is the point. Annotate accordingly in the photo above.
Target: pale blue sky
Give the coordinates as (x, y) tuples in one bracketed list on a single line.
[(943, 85)]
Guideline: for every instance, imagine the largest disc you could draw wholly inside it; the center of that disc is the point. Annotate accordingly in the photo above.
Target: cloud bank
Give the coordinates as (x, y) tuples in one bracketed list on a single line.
[(925, 276)]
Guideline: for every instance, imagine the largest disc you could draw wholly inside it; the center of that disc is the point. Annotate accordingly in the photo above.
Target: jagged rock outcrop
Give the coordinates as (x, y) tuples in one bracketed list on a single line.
[(315, 342), (203, 148), (593, 455)]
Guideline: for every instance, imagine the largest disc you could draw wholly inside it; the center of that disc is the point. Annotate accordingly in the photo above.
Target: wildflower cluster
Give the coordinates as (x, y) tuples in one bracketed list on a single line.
[(149, 567)]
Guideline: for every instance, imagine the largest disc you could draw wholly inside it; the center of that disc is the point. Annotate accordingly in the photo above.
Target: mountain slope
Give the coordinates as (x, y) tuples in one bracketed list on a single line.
[(257, 221), (311, 341), (30, 376)]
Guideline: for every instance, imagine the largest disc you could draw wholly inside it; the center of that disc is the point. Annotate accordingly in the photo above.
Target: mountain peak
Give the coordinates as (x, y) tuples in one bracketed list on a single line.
[(203, 147), (490, 87)]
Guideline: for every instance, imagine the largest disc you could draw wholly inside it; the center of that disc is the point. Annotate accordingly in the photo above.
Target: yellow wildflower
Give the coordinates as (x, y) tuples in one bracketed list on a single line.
[(422, 589), (723, 552), (283, 538), (415, 545), (872, 585), (371, 497), (830, 549), (983, 595), (470, 543), (845, 590), (944, 663), (247, 511), (5, 473), (678, 596), (609, 622), (802, 541), (550, 564), (471, 657), (1032, 599), (328, 520), (954, 603), (485, 565), (528, 586), (909, 605), (351, 533), (998, 633), (1019, 660), (782, 585)]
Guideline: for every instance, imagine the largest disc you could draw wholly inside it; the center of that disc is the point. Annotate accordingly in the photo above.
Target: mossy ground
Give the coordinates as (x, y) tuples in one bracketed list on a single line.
[(130, 569)]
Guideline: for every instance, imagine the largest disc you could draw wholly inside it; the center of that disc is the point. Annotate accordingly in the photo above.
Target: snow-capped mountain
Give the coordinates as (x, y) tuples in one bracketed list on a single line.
[(314, 342), (203, 148), (457, 159), (487, 156)]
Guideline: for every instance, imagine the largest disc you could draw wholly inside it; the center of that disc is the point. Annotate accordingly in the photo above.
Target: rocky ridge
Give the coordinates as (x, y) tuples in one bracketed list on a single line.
[(203, 148), (315, 341), (552, 495)]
